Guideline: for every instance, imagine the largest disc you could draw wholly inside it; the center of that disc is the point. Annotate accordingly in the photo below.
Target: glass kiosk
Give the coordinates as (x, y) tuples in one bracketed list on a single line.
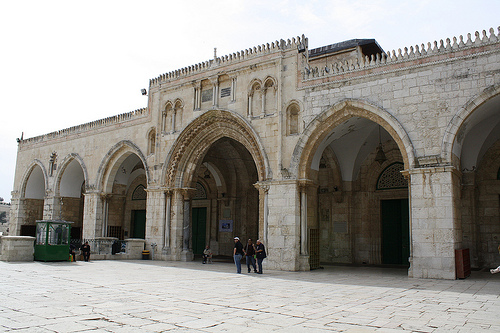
[(52, 240)]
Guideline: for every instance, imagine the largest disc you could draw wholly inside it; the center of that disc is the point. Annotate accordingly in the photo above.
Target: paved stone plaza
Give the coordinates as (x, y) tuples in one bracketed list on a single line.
[(157, 296)]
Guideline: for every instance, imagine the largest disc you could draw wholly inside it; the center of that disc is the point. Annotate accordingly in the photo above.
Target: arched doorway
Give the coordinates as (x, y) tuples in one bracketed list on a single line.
[(71, 191), (124, 197), (351, 216), (211, 172), (32, 199), (229, 173), (473, 146)]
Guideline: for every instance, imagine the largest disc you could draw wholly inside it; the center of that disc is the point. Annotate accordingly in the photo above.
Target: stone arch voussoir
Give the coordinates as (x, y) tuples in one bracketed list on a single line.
[(200, 134), (62, 167), (109, 162), (459, 118), (319, 128), (27, 173)]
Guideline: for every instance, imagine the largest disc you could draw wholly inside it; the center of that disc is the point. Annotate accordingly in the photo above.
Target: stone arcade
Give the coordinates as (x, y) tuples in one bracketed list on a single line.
[(339, 154)]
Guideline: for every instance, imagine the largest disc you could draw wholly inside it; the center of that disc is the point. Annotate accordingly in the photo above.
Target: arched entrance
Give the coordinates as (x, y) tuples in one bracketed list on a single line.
[(124, 197), (472, 144), (211, 174), (357, 197), (31, 203), (70, 192)]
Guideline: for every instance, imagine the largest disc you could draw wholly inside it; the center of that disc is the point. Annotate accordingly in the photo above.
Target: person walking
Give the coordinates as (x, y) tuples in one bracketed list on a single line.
[(238, 254), (260, 251), (250, 255), (85, 248)]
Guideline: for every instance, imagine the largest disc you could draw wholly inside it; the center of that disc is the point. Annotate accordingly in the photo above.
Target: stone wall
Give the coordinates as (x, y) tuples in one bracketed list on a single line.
[(17, 248)]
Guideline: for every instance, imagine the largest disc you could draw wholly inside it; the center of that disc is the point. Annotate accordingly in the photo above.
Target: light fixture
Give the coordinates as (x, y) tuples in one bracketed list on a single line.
[(144, 92), (380, 157), (207, 172), (322, 163)]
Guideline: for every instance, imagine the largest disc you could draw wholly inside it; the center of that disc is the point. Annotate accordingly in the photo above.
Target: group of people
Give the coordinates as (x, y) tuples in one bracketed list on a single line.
[(254, 254), (85, 251)]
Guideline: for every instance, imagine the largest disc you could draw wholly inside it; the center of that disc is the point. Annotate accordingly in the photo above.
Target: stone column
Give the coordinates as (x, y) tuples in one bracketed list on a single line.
[(233, 89), (52, 206), (167, 221), (187, 251), (92, 215), (263, 110), (174, 112), (155, 215), (283, 240), (263, 211), (435, 222), (250, 101)]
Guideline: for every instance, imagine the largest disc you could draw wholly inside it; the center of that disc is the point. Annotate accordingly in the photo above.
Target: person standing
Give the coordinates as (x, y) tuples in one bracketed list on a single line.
[(85, 248), (250, 256), (260, 251), (238, 254)]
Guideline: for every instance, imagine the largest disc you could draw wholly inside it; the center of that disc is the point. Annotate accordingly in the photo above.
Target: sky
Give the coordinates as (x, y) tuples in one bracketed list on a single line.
[(65, 63)]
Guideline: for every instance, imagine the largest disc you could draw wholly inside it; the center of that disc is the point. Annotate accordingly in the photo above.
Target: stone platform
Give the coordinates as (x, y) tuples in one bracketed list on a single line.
[(158, 296)]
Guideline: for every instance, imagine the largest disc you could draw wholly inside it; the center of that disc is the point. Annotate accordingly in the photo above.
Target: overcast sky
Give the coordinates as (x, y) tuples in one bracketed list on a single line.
[(64, 63)]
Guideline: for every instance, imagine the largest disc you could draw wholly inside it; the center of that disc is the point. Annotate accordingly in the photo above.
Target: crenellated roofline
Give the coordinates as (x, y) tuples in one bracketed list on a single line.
[(413, 53), (229, 59), (124, 117)]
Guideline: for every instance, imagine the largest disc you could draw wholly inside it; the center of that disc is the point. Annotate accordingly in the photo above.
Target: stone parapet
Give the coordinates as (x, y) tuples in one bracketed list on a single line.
[(17, 248)]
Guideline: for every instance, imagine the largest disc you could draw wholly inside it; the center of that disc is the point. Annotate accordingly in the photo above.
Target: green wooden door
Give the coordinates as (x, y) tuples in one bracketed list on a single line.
[(395, 231), (139, 224), (199, 229)]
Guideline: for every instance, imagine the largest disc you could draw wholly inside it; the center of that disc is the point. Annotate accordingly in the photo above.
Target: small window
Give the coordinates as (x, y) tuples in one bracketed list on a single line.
[(391, 178), (293, 119), (139, 193), (201, 193)]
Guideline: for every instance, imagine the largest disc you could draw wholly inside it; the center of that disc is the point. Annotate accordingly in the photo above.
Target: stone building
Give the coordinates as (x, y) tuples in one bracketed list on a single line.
[(4, 217), (339, 154)]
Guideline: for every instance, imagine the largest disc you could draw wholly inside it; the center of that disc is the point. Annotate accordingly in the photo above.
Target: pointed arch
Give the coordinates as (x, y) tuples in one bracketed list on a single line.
[(64, 164), (112, 160), (200, 134), (317, 131), (27, 174), (151, 139), (453, 130)]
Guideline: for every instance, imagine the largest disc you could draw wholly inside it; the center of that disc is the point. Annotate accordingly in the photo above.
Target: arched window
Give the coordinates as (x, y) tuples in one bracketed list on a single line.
[(166, 118), (292, 115), (269, 96), (391, 177), (139, 193), (177, 116), (200, 193), (255, 100), (151, 141)]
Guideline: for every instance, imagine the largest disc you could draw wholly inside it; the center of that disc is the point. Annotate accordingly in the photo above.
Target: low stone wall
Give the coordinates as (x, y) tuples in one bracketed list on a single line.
[(101, 249), (17, 248)]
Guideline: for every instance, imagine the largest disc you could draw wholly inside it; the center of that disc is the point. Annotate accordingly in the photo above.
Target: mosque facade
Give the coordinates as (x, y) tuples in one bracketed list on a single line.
[(343, 154)]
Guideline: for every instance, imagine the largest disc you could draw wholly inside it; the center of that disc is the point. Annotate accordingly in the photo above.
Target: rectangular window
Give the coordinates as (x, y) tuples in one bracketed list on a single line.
[(225, 92), (206, 95)]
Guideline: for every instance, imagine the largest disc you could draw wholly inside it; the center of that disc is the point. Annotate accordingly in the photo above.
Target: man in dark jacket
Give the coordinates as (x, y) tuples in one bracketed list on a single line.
[(260, 251), (85, 251), (250, 256)]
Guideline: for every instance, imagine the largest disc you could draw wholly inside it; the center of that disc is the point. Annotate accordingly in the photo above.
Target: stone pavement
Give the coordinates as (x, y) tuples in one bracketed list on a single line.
[(157, 296)]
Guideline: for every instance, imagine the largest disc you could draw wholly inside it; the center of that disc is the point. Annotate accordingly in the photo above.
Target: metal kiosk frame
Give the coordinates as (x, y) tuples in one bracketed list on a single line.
[(52, 240)]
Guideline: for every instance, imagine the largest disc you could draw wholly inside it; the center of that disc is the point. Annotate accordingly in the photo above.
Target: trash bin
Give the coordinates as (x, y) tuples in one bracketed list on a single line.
[(145, 255)]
